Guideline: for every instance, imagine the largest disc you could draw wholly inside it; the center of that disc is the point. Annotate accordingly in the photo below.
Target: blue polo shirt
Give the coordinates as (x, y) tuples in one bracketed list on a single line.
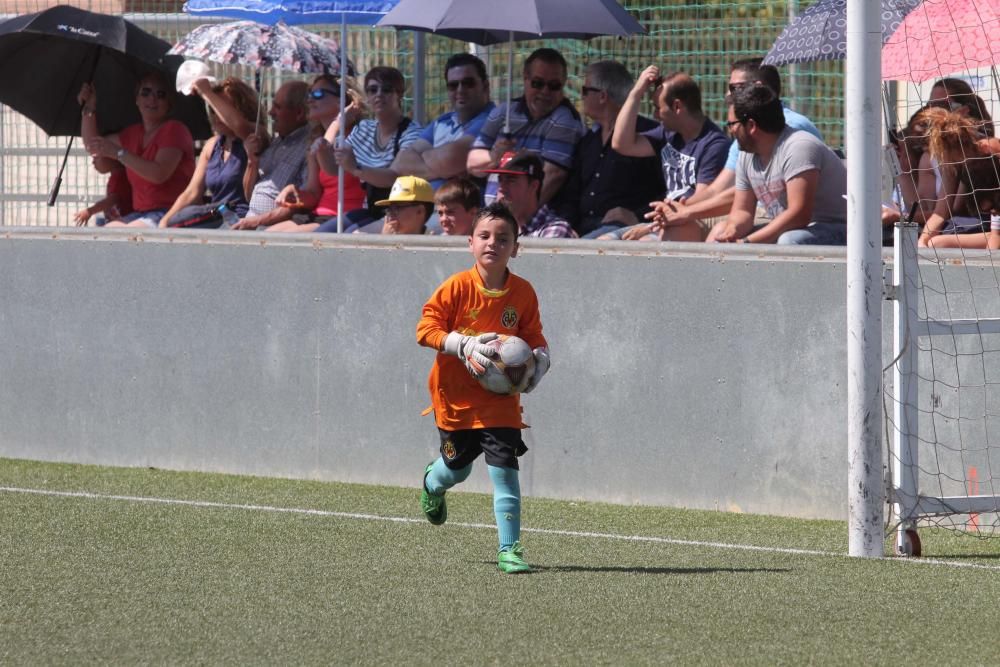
[(447, 128)]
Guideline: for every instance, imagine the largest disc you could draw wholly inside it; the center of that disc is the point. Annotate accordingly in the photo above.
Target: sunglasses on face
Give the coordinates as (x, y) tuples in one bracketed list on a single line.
[(733, 87), (538, 84), (584, 90), (396, 209), (320, 93), (467, 82), (375, 89), (146, 91), (732, 124)]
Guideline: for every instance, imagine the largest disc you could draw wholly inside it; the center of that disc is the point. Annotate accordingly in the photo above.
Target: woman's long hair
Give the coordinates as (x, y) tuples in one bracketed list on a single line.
[(955, 141)]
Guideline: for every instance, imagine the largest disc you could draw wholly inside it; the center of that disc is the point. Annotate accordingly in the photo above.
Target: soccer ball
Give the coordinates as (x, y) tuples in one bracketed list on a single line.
[(512, 367)]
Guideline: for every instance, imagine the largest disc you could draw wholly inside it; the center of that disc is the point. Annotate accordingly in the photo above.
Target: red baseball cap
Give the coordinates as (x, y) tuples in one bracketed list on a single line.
[(519, 164)]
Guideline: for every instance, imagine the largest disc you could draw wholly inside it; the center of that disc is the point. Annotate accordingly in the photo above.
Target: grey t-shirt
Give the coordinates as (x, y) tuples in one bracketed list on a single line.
[(795, 152)]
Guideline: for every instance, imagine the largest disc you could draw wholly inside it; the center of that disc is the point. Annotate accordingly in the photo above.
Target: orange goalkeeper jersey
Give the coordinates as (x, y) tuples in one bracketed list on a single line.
[(463, 303)]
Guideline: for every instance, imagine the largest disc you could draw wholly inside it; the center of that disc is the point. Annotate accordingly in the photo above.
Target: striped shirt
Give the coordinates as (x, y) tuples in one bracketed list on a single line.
[(368, 152), (552, 137)]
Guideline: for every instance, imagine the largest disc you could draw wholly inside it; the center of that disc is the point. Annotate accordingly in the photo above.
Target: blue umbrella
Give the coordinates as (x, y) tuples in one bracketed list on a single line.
[(302, 12), (292, 12), (489, 22), (820, 32)]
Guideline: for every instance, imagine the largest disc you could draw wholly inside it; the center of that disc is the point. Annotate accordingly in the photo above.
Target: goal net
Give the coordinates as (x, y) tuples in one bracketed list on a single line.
[(942, 385)]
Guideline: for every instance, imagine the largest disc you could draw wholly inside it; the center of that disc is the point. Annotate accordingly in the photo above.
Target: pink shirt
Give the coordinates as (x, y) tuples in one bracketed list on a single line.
[(148, 196), (354, 194)]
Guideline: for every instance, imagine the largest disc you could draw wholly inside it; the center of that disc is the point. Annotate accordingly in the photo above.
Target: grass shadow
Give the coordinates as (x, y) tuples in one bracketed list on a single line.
[(652, 570)]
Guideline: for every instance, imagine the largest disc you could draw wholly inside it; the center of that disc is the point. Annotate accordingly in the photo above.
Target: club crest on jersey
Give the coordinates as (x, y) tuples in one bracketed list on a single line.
[(509, 317), (448, 449)]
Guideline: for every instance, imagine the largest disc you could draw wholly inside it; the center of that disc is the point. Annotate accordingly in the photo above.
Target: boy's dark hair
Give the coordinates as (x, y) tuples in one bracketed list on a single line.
[(499, 210), (546, 55), (756, 70), (459, 190), (760, 104), (463, 59)]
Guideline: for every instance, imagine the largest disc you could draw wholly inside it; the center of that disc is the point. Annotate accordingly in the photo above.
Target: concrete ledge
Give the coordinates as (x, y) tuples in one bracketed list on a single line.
[(684, 374)]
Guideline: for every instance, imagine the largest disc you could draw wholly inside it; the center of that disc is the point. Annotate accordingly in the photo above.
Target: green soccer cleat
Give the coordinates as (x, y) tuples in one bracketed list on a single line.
[(433, 506), (512, 561)]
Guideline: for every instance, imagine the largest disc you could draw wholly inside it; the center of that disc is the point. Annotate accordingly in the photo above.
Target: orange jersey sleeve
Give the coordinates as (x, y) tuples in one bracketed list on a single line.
[(462, 303)]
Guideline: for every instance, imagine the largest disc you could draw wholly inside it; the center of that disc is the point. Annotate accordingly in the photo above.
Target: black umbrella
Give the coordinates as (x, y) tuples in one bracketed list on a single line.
[(49, 55), (489, 22)]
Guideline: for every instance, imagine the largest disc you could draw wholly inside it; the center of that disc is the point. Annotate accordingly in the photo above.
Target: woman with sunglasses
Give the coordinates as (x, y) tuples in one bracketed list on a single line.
[(316, 201), (157, 153), (223, 159), (374, 143)]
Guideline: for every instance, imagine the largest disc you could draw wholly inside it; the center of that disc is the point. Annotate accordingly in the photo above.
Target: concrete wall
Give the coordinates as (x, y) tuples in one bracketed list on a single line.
[(696, 376)]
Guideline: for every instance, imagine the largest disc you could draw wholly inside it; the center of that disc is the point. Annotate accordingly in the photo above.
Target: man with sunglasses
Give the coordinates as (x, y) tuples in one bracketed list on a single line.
[(799, 180), (542, 121), (605, 189), (703, 208), (443, 147)]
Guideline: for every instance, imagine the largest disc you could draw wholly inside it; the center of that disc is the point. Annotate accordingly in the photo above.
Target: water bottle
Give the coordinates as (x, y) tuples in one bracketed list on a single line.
[(229, 217)]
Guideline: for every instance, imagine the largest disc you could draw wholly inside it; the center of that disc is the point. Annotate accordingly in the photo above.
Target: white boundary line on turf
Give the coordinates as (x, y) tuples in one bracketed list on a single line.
[(399, 519)]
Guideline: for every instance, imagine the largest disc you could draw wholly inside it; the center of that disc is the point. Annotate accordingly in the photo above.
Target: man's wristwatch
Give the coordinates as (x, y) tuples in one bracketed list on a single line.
[(121, 154)]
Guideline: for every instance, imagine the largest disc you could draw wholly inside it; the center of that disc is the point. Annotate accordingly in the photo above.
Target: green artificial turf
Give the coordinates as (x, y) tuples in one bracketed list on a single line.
[(95, 579)]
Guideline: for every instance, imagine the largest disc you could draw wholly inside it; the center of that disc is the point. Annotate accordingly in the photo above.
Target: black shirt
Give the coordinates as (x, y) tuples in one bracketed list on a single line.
[(602, 179)]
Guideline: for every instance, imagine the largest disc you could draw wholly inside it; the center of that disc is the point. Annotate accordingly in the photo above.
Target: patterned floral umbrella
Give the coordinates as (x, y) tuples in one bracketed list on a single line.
[(820, 32), (257, 45)]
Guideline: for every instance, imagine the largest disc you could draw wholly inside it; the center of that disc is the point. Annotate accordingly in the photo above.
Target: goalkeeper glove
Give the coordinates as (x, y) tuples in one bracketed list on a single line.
[(542, 363), (472, 350)]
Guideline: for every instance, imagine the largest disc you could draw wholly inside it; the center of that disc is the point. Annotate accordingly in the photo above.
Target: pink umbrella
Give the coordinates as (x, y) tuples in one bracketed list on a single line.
[(941, 37)]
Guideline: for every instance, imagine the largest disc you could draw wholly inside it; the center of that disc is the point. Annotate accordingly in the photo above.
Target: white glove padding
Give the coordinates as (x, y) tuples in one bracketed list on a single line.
[(472, 350), (542, 363)]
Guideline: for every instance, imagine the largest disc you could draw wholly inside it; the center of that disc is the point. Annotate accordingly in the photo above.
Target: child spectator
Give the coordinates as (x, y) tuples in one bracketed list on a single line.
[(409, 204), (117, 200), (467, 311), (457, 203)]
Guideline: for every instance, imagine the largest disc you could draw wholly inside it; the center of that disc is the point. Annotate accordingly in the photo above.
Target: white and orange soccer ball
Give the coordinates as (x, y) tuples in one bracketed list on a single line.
[(512, 367)]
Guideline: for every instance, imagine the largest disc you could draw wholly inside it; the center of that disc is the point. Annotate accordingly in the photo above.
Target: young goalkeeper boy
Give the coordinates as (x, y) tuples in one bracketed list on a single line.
[(467, 311)]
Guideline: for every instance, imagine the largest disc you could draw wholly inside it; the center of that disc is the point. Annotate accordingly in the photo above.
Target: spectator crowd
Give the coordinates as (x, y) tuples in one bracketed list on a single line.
[(763, 174)]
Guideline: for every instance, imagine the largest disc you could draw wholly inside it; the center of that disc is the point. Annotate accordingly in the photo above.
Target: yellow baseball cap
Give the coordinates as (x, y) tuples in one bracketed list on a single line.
[(409, 189)]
